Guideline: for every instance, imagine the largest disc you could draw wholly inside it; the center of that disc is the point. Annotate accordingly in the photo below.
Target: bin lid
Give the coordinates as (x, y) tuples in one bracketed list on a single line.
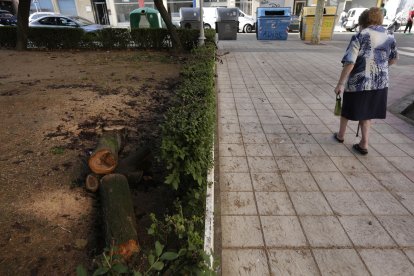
[(310, 11), (227, 14), (192, 14), (144, 11), (273, 12)]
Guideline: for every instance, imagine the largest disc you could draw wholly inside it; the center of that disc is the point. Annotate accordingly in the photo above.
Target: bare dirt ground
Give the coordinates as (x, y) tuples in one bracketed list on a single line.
[(53, 107)]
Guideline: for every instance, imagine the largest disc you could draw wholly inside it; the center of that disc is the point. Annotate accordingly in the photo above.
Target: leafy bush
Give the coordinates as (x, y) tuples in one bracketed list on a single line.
[(189, 126), (114, 38), (8, 36), (108, 38), (55, 38), (150, 38)]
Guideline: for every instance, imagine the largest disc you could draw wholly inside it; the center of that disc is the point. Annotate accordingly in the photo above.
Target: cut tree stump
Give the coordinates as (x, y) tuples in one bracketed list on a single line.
[(118, 212), (92, 182), (104, 158)]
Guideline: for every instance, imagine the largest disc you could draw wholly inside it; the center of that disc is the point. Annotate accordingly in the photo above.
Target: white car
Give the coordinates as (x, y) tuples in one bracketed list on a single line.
[(352, 18), (37, 15), (61, 21), (246, 22)]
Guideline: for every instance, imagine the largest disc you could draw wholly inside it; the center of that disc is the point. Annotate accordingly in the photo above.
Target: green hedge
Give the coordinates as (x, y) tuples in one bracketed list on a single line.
[(109, 38), (187, 141), (189, 126), (55, 38), (8, 36)]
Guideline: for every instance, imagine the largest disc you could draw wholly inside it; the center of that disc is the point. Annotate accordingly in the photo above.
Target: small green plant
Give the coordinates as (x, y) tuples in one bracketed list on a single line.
[(57, 150), (109, 263), (184, 234)]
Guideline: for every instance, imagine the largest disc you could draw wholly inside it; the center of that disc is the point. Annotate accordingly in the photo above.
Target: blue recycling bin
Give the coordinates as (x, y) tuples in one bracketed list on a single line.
[(272, 23)]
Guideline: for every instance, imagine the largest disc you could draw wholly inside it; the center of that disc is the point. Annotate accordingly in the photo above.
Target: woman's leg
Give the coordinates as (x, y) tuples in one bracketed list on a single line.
[(365, 125), (342, 127), (406, 27)]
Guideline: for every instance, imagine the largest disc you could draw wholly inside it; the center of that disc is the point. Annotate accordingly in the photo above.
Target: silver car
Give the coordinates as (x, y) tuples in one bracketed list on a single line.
[(57, 21)]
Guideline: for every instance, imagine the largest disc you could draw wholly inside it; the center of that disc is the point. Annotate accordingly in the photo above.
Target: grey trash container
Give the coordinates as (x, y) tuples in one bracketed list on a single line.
[(190, 18), (227, 23)]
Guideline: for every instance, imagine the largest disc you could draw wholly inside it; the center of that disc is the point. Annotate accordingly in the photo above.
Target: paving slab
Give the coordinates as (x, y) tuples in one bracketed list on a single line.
[(294, 201)]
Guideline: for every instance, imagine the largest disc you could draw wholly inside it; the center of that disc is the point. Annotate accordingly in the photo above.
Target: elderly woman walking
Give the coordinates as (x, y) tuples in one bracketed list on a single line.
[(364, 77)]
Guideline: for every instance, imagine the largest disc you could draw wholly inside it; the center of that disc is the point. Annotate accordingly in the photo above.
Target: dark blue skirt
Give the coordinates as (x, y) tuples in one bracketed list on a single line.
[(365, 105)]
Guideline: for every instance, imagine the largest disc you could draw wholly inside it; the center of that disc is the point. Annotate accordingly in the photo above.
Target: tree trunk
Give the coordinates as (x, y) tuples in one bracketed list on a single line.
[(22, 24), (176, 43), (118, 211), (138, 160), (317, 25), (104, 159)]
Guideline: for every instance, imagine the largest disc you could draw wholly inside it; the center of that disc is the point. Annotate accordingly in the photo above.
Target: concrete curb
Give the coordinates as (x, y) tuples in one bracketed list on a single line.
[(209, 215)]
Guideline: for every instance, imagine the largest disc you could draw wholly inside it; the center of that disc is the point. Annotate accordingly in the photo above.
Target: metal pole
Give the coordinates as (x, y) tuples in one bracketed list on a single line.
[(201, 38)]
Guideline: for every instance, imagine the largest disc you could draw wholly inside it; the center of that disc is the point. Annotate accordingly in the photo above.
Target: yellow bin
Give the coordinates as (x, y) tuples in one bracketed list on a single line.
[(308, 18)]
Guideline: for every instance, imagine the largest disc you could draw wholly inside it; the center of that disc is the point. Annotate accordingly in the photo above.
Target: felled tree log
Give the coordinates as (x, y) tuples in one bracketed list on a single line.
[(118, 212), (138, 160), (104, 158), (92, 182)]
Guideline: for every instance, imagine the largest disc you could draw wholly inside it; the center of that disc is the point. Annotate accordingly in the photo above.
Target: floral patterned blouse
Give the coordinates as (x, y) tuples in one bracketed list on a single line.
[(369, 50)]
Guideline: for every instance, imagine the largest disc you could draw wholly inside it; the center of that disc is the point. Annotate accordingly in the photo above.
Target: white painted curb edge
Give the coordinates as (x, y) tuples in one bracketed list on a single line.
[(209, 216)]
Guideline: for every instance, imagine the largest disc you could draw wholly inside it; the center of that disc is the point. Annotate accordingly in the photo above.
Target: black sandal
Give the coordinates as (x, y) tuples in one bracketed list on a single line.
[(358, 148), (337, 139)]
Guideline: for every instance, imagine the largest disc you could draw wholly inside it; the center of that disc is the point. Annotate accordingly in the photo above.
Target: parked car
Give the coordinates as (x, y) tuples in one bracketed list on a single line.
[(175, 19), (246, 22), (56, 21), (352, 18), (294, 24), (37, 15), (4, 11), (8, 19)]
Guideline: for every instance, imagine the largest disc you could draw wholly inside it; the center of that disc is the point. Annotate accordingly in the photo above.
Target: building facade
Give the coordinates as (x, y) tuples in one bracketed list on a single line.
[(116, 12)]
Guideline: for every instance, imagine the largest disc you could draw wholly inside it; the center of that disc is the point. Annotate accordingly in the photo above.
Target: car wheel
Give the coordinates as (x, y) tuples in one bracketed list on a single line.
[(354, 28), (248, 28), (207, 26)]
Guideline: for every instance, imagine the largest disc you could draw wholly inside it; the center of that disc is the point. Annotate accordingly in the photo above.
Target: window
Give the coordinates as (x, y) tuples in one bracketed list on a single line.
[(125, 7), (67, 7), (244, 6), (41, 5), (61, 21), (47, 21)]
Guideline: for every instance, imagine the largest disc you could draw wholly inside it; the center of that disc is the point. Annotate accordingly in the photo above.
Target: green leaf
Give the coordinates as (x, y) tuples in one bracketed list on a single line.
[(81, 271), (137, 273), (120, 268), (169, 256), (158, 248), (158, 266), (151, 259), (182, 252), (101, 271)]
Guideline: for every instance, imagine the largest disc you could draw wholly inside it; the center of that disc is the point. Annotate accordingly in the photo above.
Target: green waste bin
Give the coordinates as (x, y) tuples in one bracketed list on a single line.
[(145, 18)]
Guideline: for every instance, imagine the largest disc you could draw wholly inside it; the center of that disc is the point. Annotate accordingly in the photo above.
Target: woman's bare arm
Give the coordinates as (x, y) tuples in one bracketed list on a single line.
[(346, 70)]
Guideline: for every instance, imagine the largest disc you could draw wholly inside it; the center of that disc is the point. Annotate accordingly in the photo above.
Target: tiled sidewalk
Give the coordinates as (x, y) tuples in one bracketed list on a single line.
[(293, 200)]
